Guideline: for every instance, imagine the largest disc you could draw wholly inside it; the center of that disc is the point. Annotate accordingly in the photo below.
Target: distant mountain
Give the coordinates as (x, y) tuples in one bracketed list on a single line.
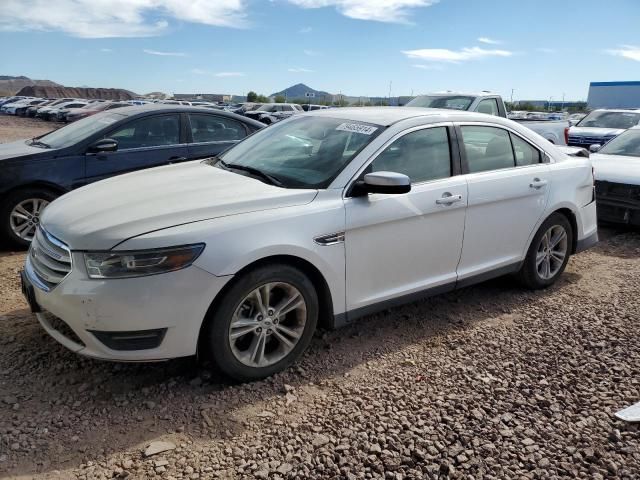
[(299, 91), (10, 85)]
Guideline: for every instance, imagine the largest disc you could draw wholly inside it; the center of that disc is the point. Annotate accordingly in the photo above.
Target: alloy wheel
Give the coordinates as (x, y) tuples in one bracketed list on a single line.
[(552, 252), (25, 217), (267, 324)]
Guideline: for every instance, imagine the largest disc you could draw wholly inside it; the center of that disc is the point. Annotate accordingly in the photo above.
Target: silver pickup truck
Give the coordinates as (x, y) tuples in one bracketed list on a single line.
[(489, 103)]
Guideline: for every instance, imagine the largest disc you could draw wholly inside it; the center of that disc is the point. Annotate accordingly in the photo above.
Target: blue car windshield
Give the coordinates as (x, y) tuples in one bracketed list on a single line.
[(77, 131)]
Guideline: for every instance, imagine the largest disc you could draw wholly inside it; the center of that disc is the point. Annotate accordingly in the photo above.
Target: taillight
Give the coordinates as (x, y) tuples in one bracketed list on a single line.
[(566, 135)]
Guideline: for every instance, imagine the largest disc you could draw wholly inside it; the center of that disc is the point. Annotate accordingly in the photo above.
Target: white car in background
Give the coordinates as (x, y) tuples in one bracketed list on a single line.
[(617, 172), (323, 217)]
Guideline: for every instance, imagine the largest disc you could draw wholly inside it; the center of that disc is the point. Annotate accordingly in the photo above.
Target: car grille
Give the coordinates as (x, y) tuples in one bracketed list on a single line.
[(586, 141), (618, 191), (50, 258)]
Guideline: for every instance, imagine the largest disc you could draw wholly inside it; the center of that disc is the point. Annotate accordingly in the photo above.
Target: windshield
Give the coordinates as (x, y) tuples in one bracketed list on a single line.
[(627, 143), (451, 102), (610, 120), (77, 131), (267, 108), (304, 152)]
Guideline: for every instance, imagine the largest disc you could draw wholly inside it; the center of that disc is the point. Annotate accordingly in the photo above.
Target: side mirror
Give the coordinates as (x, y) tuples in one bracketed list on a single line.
[(382, 182), (103, 145), (595, 147)]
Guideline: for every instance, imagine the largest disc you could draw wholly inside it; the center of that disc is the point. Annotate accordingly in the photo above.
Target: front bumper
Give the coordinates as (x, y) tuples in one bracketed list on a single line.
[(618, 203), (80, 311)]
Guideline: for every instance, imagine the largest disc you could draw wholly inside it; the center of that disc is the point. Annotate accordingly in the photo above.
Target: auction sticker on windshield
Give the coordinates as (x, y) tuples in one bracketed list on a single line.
[(357, 128)]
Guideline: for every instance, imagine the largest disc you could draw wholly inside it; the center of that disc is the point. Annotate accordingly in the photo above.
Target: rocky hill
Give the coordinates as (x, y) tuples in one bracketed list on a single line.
[(77, 92), (299, 91), (10, 85)]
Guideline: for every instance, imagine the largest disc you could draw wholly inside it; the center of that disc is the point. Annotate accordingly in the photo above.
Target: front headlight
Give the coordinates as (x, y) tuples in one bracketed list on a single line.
[(140, 263)]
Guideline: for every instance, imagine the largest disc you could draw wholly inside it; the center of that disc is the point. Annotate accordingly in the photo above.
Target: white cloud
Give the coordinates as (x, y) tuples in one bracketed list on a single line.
[(392, 11), (454, 56), (305, 30), (546, 50), (427, 67), (300, 70), (164, 54), (198, 71), (106, 50), (489, 41), (626, 51), (311, 53), (229, 74), (116, 18)]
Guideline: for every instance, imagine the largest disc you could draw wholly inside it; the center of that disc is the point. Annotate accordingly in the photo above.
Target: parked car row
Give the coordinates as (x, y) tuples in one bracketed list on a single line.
[(59, 110), (318, 219)]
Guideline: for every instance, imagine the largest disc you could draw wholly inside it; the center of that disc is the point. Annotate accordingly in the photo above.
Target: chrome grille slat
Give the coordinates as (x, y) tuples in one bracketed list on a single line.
[(41, 257), (50, 258)]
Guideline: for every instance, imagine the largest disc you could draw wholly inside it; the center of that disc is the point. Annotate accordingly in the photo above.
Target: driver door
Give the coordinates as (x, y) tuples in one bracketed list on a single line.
[(403, 244), (144, 142)]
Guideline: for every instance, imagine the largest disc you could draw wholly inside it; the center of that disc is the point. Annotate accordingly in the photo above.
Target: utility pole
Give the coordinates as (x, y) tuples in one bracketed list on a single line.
[(389, 101), (562, 105), (512, 90)]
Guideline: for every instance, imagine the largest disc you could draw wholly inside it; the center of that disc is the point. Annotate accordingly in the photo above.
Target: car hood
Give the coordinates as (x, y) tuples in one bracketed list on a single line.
[(595, 131), (616, 168), (104, 214), (18, 149)]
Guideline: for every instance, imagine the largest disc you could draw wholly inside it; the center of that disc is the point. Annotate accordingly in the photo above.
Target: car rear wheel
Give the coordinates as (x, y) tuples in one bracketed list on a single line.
[(21, 212), (263, 323), (548, 254)]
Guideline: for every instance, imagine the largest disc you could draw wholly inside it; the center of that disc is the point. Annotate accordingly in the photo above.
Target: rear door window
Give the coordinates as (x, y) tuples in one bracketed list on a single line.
[(215, 128)]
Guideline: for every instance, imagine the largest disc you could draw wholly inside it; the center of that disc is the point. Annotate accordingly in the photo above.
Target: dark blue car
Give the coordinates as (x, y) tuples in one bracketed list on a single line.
[(34, 172)]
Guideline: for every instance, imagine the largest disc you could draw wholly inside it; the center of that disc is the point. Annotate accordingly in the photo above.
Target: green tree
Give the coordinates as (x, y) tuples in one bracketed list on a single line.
[(262, 99), (280, 99), (252, 96)]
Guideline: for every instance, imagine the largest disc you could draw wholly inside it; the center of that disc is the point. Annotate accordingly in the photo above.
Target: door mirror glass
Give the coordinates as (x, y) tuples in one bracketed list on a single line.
[(104, 145), (595, 147), (382, 182)]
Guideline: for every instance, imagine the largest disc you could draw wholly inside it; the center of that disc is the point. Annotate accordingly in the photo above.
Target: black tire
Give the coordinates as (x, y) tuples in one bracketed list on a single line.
[(14, 199), (216, 333), (529, 275)]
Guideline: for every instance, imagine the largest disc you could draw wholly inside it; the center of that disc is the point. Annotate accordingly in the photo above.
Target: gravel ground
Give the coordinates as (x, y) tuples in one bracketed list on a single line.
[(489, 382)]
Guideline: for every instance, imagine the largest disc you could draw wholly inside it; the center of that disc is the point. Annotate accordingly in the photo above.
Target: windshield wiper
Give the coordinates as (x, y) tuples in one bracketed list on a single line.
[(270, 179), (38, 143)]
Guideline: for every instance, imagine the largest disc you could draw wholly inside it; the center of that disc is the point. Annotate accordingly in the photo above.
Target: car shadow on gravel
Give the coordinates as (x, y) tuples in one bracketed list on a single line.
[(68, 409)]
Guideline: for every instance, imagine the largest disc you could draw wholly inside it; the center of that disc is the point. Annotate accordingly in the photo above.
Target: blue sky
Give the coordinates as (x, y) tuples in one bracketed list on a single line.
[(539, 48)]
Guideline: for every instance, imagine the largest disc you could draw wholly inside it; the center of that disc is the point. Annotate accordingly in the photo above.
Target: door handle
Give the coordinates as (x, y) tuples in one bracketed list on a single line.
[(538, 184), (448, 199)]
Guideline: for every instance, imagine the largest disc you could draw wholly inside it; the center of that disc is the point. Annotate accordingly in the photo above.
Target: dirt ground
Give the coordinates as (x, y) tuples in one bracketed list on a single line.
[(17, 128), (491, 382)]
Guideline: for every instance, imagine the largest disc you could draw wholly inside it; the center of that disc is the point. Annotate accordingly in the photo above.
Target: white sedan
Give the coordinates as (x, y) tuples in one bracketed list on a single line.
[(617, 170), (322, 218)]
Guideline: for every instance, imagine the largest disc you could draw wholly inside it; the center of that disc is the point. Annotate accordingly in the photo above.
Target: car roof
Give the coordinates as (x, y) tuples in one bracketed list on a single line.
[(389, 115), (618, 110), (466, 94), (165, 108)]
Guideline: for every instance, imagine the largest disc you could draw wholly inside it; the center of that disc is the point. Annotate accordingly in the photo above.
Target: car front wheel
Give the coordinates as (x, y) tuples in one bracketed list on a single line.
[(20, 214), (263, 323), (548, 254)]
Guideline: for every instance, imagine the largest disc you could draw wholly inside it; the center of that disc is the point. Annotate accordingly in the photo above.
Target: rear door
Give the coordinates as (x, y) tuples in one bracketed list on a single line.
[(143, 142), (508, 187), (211, 134)]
